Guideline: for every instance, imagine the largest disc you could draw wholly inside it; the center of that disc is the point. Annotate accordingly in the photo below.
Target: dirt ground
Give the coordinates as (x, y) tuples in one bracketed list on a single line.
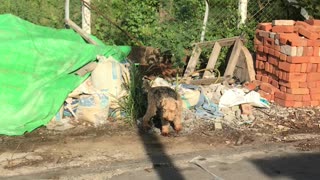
[(83, 146)]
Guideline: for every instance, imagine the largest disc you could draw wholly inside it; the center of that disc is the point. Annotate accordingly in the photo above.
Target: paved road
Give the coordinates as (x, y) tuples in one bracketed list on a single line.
[(266, 161)]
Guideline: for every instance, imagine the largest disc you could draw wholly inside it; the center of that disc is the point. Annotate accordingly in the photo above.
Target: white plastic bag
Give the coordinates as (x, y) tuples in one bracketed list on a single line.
[(233, 97)]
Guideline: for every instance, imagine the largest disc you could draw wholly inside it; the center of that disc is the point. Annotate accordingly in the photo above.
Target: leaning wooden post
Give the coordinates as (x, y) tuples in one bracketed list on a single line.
[(86, 17)]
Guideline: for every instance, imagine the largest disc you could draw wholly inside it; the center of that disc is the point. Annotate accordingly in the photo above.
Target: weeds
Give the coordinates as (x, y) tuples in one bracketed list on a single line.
[(134, 104)]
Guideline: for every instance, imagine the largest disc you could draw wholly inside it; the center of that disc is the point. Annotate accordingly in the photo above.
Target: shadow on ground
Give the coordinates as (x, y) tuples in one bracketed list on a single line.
[(162, 163), (296, 167)]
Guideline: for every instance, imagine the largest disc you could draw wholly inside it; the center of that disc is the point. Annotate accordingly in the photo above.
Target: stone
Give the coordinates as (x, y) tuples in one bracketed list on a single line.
[(251, 117), (229, 118), (244, 117), (217, 125)]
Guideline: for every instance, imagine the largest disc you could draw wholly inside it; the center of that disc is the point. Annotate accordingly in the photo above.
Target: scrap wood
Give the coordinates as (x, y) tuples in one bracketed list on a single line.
[(196, 160)]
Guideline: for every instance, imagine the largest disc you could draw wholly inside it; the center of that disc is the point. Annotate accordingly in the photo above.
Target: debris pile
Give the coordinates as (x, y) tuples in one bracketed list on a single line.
[(288, 58)]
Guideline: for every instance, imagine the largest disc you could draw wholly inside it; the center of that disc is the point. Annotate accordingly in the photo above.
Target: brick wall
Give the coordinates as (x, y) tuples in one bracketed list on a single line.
[(288, 62)]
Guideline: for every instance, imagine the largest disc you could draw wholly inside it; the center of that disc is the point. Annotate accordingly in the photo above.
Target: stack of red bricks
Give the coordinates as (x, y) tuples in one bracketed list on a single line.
[(288, 61)]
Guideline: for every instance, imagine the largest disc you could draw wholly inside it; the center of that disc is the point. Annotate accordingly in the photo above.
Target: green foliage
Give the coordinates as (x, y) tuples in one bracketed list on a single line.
[(166, 24), (312, 7), (42, 12)]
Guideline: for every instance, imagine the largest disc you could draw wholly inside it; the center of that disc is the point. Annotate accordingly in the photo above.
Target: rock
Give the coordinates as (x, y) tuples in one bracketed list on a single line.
[(244, 117), (229, 118), (235, 108), (217, 125), (34, 157), (251, 117), (238, 114)]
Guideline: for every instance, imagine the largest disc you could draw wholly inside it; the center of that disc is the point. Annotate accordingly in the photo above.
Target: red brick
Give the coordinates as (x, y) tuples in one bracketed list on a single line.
[(298, 91), (283, 57), (283, 89), (315, 97), (277, 53), (298, 59), (314, 103), (282, 29), (288, 97), (311, 84), (271, 51), (259, 48), (268, 42), (285, 103), (306, 103), (267, 67), (276, 47), (290, 84), (257, 41), (257, 64), (298, 41), (308, 34), (306, 97), (265, 79), (268, 88), (289, 67), (314, 59), (261, 65), (304, 67), (316, 51), (261, 56), (314, 68), (309, 67), (303, 85), (305, 25), (246, 109), (311, 77), (313, 22), (267, 96), (314, 43), (258, 77), (297, 68), (273, 60), (295, 77), (265, 26), (307, 51), (265, 49), (314, 90)]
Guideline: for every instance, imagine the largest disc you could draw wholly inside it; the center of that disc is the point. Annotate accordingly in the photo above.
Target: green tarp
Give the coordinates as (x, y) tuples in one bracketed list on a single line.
[(37, 67)]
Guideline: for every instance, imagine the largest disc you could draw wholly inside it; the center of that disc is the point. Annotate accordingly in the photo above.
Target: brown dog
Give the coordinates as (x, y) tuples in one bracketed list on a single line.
[(165, 103)]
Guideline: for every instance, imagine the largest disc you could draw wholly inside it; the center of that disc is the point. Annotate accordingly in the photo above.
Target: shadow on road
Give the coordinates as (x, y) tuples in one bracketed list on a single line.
[(297, 167), (162, 163)]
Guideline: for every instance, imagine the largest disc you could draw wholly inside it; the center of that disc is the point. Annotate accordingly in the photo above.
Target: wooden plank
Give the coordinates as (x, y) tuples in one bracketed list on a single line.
[(193, 61), (249, 63), (222, 42), (83, 34), (206, 81), (213, 59), (233, 58)]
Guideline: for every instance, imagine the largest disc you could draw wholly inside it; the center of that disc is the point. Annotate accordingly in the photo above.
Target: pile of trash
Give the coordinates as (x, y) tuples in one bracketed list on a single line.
[(96, 98), (217, 103)]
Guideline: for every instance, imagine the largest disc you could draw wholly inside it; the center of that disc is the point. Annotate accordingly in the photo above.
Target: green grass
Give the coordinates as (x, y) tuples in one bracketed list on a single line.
[(133, 106)]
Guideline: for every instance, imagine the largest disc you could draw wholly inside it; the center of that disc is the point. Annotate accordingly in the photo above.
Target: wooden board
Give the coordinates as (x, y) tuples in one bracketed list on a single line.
[(193, 61), (83, 34), (233, 58), (213, 59), (249, 63), (205, 81), (222, 42)]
